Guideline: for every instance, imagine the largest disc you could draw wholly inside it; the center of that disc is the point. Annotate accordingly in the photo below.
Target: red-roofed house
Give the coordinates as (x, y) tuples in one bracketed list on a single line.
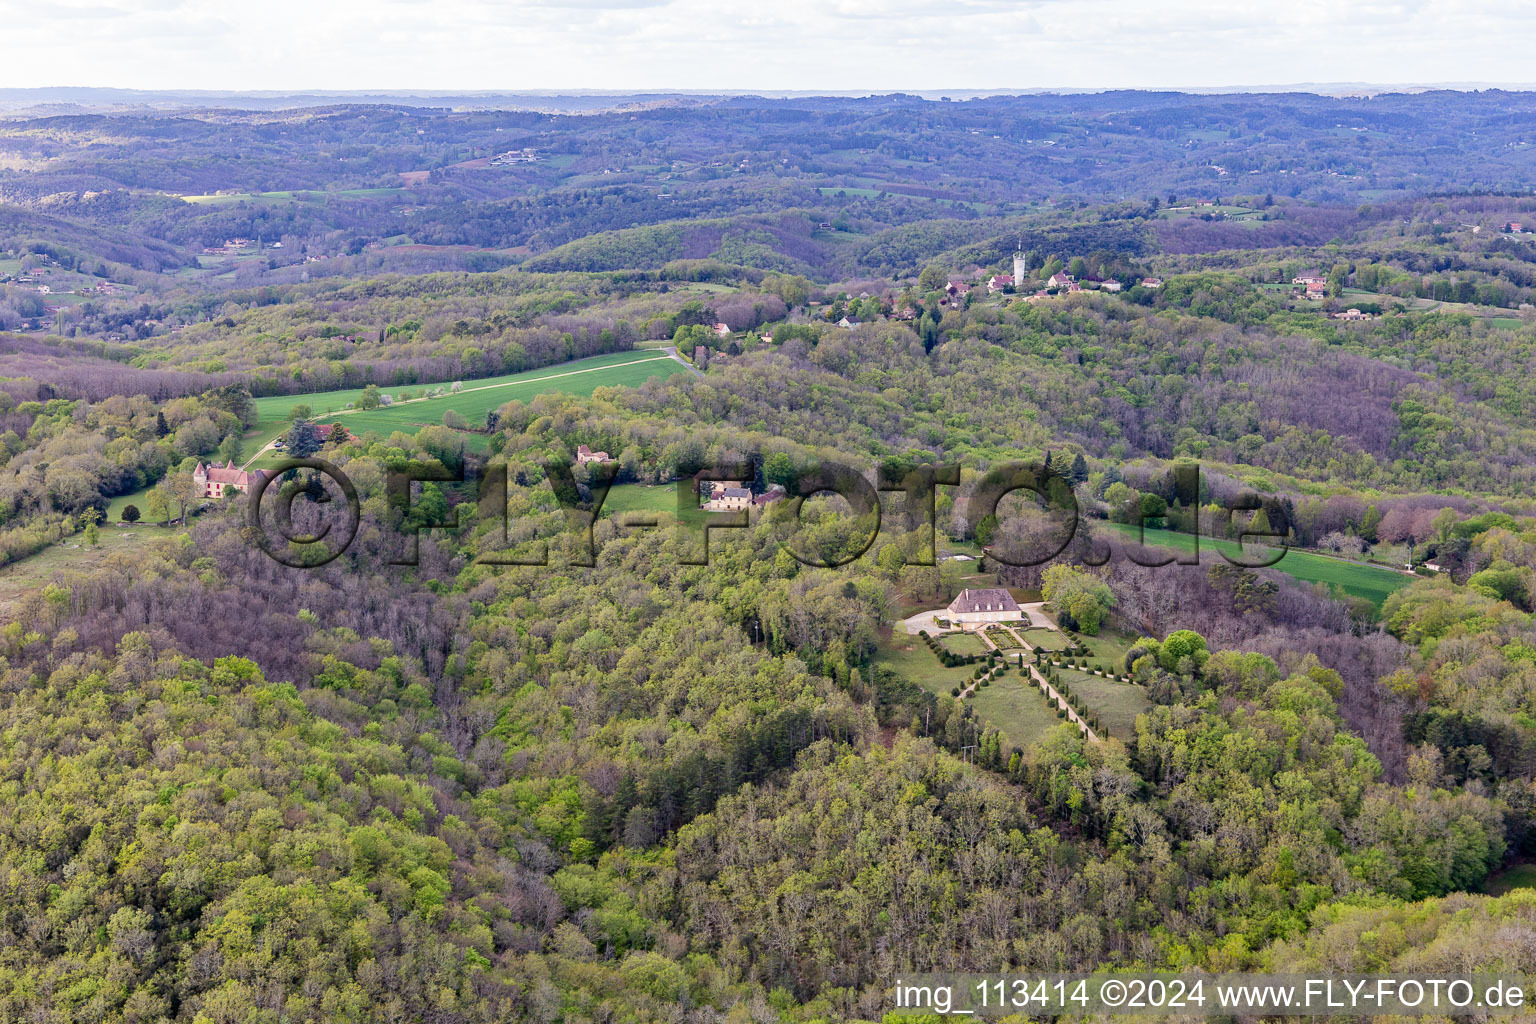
[(215, 479)]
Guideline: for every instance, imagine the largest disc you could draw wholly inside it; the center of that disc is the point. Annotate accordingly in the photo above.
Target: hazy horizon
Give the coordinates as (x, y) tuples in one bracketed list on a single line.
[(687, 45)]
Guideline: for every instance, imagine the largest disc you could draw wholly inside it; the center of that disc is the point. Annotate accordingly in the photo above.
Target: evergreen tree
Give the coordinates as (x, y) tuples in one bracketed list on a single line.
[(303, 439)]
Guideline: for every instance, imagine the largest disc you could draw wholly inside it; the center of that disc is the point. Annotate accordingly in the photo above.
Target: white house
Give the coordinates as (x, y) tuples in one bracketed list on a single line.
[(984, 605)]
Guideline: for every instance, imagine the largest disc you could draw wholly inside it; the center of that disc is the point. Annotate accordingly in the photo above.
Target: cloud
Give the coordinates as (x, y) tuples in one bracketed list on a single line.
[(592, 5)]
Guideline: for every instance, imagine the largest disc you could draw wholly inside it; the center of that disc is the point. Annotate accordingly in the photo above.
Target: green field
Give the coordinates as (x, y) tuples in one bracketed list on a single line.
[(1364, 581), (862, 193), (626, 502), (1237, 213), (1115, 703), (1016, 708), (301, 196), (580, 377), (481, 397)]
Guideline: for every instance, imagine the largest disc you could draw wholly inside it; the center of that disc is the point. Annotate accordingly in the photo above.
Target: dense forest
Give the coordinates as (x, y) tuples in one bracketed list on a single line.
[(562, 766)]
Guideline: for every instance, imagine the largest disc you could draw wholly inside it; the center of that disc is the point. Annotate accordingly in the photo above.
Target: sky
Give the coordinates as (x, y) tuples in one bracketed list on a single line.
[(781, 45)]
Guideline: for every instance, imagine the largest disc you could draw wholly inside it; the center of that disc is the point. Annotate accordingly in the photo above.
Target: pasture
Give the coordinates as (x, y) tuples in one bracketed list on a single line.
[(481, 397), (1372, 583), (296, 196), (28, 575), (580, 377)]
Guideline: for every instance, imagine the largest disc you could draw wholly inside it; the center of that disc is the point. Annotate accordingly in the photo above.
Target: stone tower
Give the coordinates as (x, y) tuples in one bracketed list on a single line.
[(1019, 270)]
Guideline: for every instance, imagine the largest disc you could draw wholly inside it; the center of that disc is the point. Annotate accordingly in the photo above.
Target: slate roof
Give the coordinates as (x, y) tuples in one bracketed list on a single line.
[(986, 599)]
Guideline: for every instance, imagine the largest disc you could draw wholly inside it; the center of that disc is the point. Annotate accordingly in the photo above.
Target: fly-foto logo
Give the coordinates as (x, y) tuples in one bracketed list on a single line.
[(333, 520)]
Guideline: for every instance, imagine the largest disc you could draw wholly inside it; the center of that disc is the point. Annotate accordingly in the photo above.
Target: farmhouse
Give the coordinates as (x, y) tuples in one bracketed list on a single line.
[(1310, 277), (1152, 283), (585, 455), (987, 604), (998, 282), (215, 479), (1060, 279), (1317, 290), (722, 331), (728, 499)]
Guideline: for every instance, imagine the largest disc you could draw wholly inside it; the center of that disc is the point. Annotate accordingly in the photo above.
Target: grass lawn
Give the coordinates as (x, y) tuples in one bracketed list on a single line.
[(641, 498), (963, 644), (1368, 582), (1016, 708), (1047, 639), (1116, 704), (1109, 649), (910, 658), (1519, 876), (636, 501), (116, 505)]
